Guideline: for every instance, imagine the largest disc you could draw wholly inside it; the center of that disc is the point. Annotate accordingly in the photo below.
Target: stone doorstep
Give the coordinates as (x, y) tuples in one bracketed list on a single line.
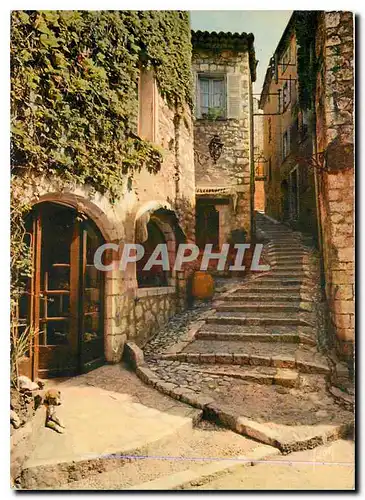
[(184, 479)]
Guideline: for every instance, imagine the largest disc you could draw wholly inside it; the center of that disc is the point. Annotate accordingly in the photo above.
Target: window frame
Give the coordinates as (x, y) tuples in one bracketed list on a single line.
[(286, 92), (211, 77), (286, 150), (286, 59)]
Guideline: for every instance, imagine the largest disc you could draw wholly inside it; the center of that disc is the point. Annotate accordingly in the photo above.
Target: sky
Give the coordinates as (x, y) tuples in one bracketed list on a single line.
[(266, 25)]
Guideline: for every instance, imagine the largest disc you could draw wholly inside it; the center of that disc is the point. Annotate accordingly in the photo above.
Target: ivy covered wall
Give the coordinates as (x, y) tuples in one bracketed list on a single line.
[(74, 98)]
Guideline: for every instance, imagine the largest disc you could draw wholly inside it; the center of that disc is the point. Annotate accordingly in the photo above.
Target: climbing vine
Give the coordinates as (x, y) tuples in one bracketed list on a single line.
[(305, 30), (74, 104), (74, 94)]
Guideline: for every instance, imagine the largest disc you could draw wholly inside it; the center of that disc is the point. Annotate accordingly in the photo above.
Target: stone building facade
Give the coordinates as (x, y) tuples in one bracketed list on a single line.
[(316, 143), (224, 69), (335, 149), (289, 180), (125, 305)]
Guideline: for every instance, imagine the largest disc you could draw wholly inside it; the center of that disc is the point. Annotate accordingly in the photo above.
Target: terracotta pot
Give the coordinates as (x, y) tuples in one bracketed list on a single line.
[(203, 285)]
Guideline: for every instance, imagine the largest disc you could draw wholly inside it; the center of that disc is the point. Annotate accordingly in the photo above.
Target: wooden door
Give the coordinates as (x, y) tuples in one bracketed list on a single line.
[(68, 293), (56, 300)]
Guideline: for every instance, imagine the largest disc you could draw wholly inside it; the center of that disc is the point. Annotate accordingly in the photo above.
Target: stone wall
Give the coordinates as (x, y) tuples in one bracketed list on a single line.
[(233, 168), (153, 307), (334, 109)]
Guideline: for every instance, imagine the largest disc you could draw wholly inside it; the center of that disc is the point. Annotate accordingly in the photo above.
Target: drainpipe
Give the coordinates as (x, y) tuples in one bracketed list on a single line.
[(252, 167)]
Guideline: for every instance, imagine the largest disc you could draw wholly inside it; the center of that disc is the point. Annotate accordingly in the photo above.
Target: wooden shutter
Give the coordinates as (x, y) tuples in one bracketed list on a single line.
[(234, 96), (197, 96)]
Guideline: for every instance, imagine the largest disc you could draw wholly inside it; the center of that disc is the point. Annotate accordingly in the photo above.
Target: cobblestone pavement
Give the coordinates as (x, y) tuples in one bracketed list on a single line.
[(254, 349), (180, 324)]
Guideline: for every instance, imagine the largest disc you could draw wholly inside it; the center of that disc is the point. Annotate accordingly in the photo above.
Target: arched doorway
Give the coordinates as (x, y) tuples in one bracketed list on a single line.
[(65, 299)]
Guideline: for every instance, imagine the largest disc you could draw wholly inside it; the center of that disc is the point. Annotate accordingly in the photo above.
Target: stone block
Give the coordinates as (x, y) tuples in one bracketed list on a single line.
[(224, 358), (192, 357), (146, 375), (207, 358), (282, 362), (255, 430), (133, 355), (332, 19), (166, 387), (241, 359), (260, 360), (344, 306)]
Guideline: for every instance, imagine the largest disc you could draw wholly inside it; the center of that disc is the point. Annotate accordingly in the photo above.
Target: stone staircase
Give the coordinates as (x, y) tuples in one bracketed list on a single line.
[(254, 355)]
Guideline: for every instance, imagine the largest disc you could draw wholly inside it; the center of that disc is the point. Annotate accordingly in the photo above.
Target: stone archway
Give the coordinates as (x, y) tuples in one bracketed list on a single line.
[(98, 210)]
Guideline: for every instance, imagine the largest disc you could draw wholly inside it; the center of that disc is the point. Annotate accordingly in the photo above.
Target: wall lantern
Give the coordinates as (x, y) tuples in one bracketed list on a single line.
[(215, 148)]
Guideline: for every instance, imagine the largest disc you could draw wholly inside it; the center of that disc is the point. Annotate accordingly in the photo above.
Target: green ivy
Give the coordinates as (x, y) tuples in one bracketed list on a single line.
[(74, 98), (305, 30)]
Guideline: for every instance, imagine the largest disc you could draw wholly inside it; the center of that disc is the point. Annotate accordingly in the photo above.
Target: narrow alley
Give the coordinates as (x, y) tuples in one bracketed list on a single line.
[(182, 299)]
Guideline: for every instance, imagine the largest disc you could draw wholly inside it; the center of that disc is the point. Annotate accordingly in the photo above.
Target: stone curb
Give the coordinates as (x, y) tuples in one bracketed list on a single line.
[(186, 478), (245, 359), (240, 424)]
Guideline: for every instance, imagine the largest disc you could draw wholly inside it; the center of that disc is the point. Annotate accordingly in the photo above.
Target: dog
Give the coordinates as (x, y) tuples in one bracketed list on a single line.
[(52, 399)]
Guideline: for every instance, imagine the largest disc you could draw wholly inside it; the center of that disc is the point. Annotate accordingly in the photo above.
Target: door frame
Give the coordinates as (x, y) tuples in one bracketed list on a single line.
[(76, 292), (294, 197)]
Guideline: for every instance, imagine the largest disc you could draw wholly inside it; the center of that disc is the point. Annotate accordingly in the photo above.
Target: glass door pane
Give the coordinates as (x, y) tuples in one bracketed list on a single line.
[(91, 318), (57, 342)]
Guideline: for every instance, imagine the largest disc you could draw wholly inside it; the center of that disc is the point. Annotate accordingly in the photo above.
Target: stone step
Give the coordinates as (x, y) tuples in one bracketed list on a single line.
[(295, 259), (273, 331), (262, 319), (267, 296), (280, 281), (289, 249), (279, 272), (256, 287), (281, 355), (260, 375), (91, 441), (258, 307), (289, 263), (196, 456), (286, 252), (262, 337)]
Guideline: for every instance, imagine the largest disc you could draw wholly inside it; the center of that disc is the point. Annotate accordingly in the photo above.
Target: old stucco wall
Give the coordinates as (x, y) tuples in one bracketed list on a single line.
[(233, 168), (334, 107)]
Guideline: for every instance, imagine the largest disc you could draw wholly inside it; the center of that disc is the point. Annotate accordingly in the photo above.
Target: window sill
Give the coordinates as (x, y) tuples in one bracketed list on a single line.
[(155, 290), (206, 119)]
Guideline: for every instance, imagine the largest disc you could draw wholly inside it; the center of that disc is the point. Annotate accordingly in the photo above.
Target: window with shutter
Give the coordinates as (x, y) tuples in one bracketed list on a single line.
[(234, 96), (211, 97), (286, 143)]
